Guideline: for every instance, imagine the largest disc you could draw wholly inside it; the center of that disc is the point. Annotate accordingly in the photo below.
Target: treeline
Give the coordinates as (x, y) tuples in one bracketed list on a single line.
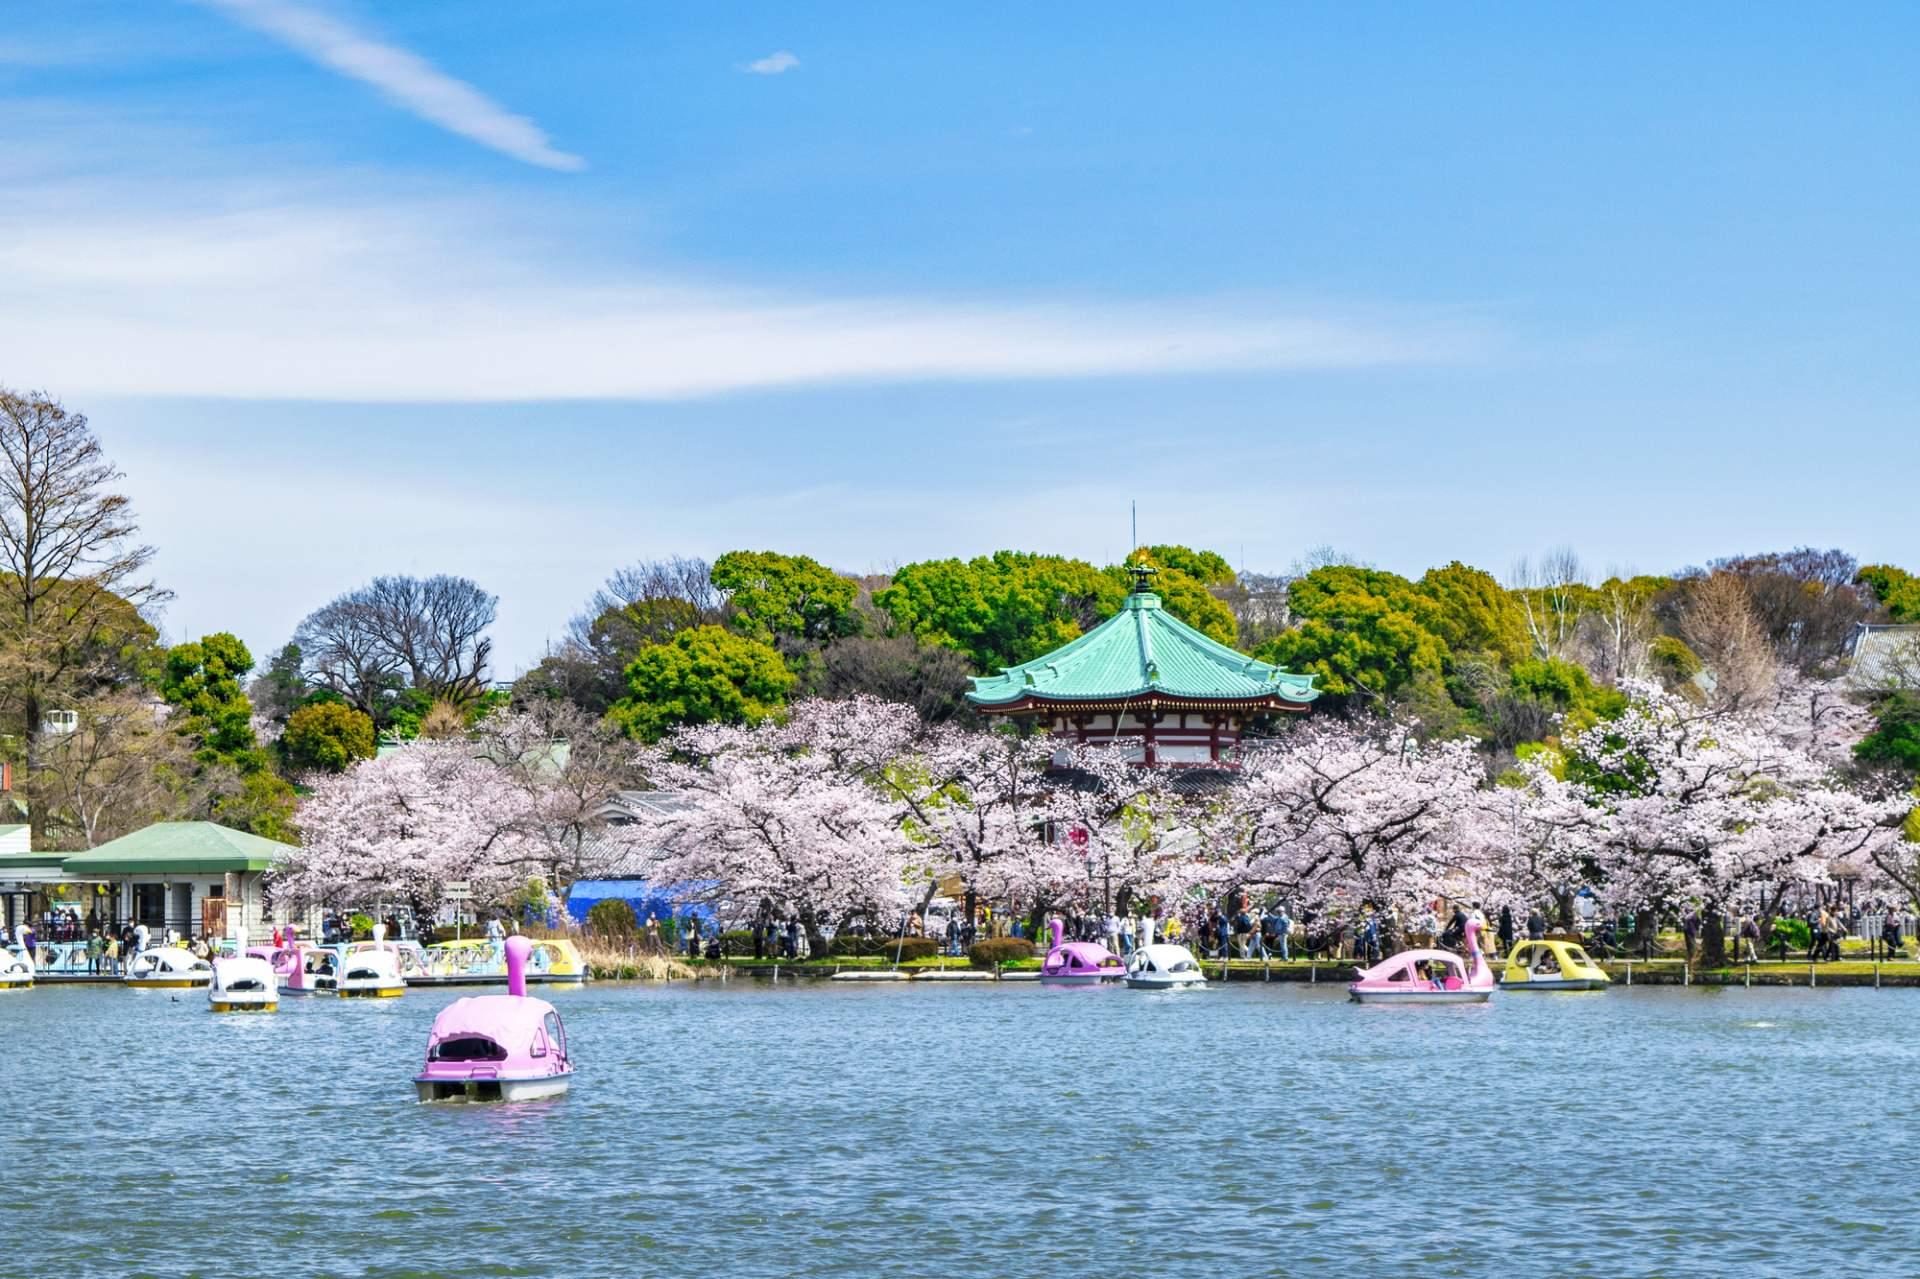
[(108, 728), (679, 642)]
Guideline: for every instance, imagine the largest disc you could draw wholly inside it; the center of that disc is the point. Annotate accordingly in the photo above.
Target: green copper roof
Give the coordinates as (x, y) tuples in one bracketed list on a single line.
[(1142, 649), (178, 848)]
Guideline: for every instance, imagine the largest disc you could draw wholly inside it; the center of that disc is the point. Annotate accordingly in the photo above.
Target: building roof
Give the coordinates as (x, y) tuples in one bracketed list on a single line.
[(1884, 656), (181, 848), (627, 806), (1143, 651)]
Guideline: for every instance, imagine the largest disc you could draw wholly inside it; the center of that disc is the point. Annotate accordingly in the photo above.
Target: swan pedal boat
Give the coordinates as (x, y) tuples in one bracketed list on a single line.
[(1401, 979), (16, 968), (1163, 966), (1552, 965), (1081, 963), (243, 984), (476, 961), (371, 970), (168, 968), (304, 967), (497, 1047)]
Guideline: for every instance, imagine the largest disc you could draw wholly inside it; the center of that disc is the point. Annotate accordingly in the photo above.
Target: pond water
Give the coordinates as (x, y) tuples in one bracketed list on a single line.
[(976, 1130)]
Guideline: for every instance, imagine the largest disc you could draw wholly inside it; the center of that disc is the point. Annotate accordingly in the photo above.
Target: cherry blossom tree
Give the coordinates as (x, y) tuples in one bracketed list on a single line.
[(403, 827), (778, 811), (977, 804), (562, 767), (1359, 810), (1130, 830), (1725, 806)]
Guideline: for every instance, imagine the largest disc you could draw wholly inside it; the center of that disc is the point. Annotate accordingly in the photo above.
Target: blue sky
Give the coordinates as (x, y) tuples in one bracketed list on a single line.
[(528, 292)]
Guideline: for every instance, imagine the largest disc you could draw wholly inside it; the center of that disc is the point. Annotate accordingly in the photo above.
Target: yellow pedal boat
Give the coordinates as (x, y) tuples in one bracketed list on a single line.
[(1551, 965)]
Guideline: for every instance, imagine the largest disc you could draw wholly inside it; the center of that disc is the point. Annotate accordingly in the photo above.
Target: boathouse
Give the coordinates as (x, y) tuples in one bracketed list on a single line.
[(198, 878), (1145, 680)]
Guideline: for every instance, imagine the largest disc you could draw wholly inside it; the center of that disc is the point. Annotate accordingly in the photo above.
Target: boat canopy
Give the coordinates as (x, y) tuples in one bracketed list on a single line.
[(1162, 957), (515, 1022)]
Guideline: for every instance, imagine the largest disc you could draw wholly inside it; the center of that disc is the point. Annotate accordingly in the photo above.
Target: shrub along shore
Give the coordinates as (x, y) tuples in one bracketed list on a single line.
[(1659, 971)]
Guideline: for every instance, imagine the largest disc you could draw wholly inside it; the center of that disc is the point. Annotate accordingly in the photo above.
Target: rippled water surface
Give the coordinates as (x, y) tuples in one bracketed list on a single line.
[(989, 1130)]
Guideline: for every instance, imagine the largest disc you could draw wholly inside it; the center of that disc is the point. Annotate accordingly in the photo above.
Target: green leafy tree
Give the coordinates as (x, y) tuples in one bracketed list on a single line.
[(1472, 613), (1365, 632), (776, 595), (1000, 609), (202, 682), (707, 675), (1566, 689), (1672, 660), (261, 801), (281, 687), (1896, 738), (327, 737), (1897, 590)]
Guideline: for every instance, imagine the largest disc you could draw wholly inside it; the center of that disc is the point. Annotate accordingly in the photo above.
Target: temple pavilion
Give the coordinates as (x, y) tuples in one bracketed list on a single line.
[(1145, 679)]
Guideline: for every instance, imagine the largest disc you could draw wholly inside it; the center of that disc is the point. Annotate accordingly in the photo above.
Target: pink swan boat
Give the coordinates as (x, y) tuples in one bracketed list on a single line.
[(497, 1047), (1079, 963), (1428, 977)]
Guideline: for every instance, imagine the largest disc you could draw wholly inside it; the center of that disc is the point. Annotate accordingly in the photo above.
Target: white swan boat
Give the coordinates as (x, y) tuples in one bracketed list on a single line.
[(16, 968), (1163, 966), (168, 968)]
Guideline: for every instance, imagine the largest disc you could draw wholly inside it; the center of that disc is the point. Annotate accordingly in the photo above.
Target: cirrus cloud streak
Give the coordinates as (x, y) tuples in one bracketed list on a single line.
[(401, 76)]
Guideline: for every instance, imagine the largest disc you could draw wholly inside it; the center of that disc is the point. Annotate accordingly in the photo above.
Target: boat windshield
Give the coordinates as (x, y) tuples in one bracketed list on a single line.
[(468, 1048)]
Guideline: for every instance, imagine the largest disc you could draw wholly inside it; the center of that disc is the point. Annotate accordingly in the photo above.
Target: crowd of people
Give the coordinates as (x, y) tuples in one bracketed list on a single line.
[(1237, 928), (110, 948)]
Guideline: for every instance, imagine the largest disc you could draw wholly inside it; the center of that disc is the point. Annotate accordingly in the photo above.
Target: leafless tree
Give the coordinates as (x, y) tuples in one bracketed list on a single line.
[(1805, 599), (676, 580), (645, 603), (1326, 556), (567, 765), (72, 567), (1551, 591), (1259, 604), (401, 632), (932, 678), (1619, 623), (1717, 621), (118, 769)]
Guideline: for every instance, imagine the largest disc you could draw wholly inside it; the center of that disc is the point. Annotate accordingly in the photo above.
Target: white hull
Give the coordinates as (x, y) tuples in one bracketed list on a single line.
[(1080, 979), (492, 1089), (170, 983), (1165, 983), (370, 990), (1421, 996)]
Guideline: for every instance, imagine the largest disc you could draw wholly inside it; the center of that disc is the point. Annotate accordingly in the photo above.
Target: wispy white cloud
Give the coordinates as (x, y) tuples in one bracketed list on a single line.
[(772, 64), (404, 78), (293, 300)]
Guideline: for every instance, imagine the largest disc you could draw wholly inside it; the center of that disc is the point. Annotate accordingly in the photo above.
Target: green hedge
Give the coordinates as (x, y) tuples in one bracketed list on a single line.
[(999, 950), (908, 948)]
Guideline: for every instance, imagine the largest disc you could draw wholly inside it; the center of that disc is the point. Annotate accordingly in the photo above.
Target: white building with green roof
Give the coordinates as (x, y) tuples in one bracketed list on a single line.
[(1146, 680), (194, 877)]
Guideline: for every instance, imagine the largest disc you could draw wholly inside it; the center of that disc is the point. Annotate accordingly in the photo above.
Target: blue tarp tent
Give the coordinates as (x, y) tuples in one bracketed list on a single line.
[(663, 903)]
